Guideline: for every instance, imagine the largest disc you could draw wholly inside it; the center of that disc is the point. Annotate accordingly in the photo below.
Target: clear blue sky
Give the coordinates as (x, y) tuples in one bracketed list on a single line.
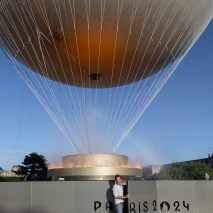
[(177, 126)]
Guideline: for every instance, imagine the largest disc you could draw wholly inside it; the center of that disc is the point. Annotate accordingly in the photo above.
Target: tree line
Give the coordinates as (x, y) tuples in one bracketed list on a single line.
[(189, 171), (34, 168)]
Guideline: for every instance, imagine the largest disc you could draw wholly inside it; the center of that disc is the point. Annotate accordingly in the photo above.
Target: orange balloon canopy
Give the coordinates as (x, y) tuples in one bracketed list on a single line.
[(99, 43)]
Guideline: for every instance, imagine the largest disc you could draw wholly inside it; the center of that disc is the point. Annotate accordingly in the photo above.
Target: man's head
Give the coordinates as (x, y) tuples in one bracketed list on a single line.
[(118, 179)]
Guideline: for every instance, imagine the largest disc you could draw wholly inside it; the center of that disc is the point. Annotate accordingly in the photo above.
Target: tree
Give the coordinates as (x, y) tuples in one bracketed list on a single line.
[(188, 171), (175, 172), (10, 179), (34, 167), (1, 169)]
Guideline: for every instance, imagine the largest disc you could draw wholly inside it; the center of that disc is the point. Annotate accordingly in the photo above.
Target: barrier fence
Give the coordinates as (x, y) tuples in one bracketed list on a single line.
[(96, 197)]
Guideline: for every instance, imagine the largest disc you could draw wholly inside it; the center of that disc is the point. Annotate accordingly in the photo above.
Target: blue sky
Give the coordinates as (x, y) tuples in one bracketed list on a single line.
[(177, 126)]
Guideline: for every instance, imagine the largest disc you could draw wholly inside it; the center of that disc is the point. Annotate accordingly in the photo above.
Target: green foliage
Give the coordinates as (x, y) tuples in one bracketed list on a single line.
[(188, 171), (34, 168), (10, 179)]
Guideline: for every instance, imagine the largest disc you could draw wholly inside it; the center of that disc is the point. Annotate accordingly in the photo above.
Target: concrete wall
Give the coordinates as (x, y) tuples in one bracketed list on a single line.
[(171, 196), (96, 196)]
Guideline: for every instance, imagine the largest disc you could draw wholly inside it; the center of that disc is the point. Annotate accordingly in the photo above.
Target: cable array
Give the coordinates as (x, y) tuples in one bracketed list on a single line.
[(95, 66)]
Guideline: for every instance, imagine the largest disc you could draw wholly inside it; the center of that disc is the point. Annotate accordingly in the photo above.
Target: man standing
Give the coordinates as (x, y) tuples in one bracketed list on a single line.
[(118, 194)]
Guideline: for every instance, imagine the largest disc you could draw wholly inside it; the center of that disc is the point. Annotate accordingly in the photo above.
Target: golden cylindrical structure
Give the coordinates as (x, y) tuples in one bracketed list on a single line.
[(95, 160), (95, 167)]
